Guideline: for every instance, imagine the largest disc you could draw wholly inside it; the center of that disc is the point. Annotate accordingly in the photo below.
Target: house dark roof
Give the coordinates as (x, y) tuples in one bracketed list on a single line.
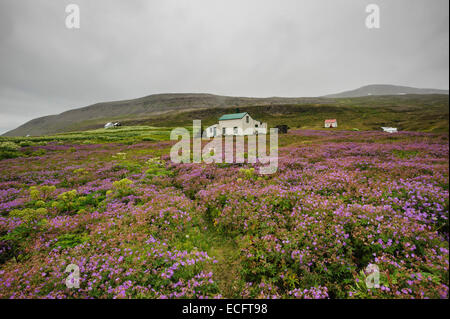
[(234, 116)]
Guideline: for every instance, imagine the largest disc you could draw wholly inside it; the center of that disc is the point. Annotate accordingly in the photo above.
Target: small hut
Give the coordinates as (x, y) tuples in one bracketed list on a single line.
[(330, 123), (389, 129), (282, 129)]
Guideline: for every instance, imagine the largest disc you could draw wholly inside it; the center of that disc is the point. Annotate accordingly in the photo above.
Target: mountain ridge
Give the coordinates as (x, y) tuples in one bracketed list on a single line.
[(155, 105), (150, 105), (384, 89)]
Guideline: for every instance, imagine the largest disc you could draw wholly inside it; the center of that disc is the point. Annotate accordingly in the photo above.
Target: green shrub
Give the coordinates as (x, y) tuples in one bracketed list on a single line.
[(68, 196), (8, 155), (405, 154), (41, 193), (25, 143), (80, 171), (122, 188), (9, 146), (29, 214), (39, 203), (69, 202), (12, 242), (157, 168), (70, 240), (249, 173), (39, 152)]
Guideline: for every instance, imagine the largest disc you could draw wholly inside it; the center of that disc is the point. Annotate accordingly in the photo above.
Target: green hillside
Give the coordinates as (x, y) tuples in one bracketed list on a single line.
[(428, 113)]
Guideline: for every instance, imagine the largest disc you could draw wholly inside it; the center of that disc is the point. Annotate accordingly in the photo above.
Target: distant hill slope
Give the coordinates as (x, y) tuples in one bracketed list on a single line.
[(410, 112), (382, 89), (98, 114), (428, 111)]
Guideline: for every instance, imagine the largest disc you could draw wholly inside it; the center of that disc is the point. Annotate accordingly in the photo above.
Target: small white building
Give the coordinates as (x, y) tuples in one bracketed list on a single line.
[(109, 125), (236, 124), (330, 123), (389, 129)]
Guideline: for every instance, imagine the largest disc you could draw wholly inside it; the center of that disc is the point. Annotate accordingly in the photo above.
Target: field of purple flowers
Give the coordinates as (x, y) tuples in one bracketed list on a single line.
[(139, 226)]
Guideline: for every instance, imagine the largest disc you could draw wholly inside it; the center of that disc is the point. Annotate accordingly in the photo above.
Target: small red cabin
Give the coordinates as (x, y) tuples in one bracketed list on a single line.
[(331, 123)]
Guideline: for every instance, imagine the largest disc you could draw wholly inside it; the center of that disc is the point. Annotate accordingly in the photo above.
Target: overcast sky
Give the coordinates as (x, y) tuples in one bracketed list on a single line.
[(128, 49)]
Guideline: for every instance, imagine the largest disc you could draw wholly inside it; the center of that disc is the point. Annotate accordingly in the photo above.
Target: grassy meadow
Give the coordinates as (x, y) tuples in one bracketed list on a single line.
[(139, 226), (425, 113)]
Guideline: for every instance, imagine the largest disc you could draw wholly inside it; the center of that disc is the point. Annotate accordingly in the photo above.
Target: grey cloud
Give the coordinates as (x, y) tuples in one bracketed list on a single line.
[(127, 49)]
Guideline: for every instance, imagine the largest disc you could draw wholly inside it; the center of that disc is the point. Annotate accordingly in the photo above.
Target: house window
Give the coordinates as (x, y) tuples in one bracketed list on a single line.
[(235, 129), (214, 134), (256, 125), (247, 119), (223, 131)]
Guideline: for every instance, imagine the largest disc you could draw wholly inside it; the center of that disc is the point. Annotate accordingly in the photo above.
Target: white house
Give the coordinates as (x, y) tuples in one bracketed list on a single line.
[(109, 125), (236, 124), (330, 123), (389, 129)]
